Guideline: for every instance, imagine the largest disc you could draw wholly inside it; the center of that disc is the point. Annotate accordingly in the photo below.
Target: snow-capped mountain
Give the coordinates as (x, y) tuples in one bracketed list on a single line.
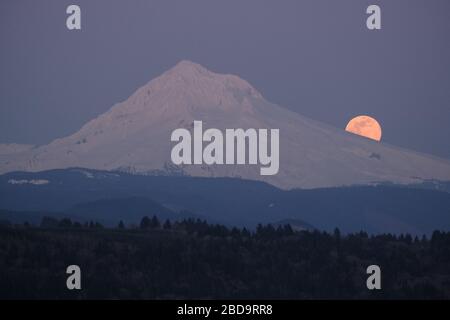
[(134, 136)]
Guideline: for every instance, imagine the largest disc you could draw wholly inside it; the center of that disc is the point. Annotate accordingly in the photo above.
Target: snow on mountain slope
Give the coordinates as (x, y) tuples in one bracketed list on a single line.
[(134, 136), (10, 148)]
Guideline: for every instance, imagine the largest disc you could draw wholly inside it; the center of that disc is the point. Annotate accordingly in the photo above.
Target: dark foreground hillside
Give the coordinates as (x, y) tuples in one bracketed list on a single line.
[(191, 259)]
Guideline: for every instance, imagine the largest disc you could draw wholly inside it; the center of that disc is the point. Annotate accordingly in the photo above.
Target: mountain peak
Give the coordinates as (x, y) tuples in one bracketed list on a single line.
[(189, 86), (189, 68), (193, 76)]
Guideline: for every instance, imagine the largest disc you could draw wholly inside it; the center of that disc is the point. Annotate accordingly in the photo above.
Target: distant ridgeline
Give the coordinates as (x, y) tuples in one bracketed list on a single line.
[(107, 197)]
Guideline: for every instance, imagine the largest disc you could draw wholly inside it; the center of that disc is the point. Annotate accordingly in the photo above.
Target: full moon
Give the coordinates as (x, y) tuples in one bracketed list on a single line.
[(365, 126)]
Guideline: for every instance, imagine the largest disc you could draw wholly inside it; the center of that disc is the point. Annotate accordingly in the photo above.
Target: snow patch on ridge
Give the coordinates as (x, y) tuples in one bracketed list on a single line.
[(24, 181)]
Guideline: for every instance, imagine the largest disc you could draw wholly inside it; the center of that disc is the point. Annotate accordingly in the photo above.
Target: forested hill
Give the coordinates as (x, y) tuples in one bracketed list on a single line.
[(192, 259), (111, 196)]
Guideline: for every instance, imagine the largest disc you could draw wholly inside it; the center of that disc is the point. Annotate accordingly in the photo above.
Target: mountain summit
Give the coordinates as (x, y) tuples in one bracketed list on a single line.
[(134, 136), (190, 75), (189, 86)]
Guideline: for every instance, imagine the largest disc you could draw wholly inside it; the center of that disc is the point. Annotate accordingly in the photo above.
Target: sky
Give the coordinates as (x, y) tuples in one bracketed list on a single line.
[(313, 56)]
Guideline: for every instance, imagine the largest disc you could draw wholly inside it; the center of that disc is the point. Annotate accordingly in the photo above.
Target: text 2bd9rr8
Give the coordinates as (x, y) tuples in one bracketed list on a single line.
[(254, 309)]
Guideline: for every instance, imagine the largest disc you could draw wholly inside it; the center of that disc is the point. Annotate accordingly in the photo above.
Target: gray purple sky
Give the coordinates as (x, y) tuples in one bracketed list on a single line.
[(316, 57)]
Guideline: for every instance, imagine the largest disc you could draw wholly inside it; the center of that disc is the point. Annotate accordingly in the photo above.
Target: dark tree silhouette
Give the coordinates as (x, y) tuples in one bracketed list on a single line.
[(193, 259), (154, 224), (145, 223)]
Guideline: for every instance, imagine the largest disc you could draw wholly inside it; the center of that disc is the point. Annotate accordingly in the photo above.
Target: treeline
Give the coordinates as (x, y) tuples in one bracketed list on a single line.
[(193, 259)]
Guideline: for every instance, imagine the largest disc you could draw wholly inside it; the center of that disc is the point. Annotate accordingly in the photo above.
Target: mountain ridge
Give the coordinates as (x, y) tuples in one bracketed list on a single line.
[(134, 136)]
